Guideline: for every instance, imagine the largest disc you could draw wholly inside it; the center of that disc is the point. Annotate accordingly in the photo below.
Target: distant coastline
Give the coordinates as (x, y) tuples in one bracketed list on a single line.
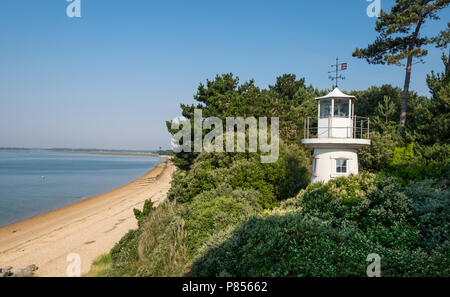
[(105, 152), (160, 153)]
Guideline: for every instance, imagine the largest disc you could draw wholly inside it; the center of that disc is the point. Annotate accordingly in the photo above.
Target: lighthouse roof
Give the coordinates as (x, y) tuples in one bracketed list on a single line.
[(336, 93)]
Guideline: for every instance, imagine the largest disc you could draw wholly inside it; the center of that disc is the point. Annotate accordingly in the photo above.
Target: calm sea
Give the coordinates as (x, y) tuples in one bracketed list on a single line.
[(34, 182)]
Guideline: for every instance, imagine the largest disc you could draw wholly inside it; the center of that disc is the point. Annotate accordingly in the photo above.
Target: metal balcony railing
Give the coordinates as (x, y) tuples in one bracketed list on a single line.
[(337, 127)]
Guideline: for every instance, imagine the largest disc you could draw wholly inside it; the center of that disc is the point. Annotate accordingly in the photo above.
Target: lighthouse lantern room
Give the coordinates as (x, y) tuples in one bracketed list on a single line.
[(335, 134)]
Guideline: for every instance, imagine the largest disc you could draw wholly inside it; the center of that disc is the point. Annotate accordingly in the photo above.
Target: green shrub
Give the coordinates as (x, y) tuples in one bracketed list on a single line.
[(380, 153), (417, 163), (166, 254), (160, 244), (173, 235), (142, 215), (209, 215), (274, 181), (432, 209), (124, 254), (361, 200), (336, 226), (289, 245), (100, 267)]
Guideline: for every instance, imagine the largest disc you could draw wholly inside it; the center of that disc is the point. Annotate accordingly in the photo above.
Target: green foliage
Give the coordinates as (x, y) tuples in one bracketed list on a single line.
[(335, 227), (368, 102), (124, 254), (422, 150), (174, 234), (403, 153), (383, 105), (399, 32), (274, 181), (418, 163), (230, 215), (433, 128), (379, 154), (431, 206), (289, 99), (436, 81), (166, 254), (385, 114), (142, 215), (101, 266), (289, 245), (364, 201), (215, 211), (399, 38), (414, 172), (291, 171)]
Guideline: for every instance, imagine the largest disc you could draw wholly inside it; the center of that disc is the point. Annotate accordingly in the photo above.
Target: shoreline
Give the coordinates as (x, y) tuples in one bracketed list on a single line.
[(75, 203), (88, 227), (90, 197), (107, 153)]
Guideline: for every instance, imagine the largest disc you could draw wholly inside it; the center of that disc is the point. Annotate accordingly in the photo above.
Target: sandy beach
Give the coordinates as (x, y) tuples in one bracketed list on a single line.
[(89, 228)]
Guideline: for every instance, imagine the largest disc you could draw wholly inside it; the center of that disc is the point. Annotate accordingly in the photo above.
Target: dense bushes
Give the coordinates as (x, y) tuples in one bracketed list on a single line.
[(431, 207), (335, 227), (363, 201), (296, 245), (173, 235), (392, 155), (141, 215), (206, 203), (425, 138), (379, 154), (213, 212), (327, 230), (274, 181), (124, 255)]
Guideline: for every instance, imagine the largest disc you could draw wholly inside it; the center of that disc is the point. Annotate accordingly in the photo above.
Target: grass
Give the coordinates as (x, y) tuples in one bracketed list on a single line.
[(100, 266)]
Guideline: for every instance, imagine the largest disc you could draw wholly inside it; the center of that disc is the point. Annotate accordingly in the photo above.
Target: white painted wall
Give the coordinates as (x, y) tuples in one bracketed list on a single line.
[(325, 163), (340, 127)]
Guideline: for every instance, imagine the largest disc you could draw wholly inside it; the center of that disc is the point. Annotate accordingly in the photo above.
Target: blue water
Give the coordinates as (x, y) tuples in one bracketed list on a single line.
[(34, 182)]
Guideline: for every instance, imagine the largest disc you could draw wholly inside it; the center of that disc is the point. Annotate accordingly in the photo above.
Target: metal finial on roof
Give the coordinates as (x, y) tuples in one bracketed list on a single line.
[(339, 67)]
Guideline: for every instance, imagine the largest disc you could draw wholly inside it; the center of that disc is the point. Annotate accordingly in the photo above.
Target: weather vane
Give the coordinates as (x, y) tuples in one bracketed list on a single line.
[(339, 67)]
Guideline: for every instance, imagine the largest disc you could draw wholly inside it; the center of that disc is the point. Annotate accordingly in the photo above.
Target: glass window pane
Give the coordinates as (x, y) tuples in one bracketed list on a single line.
[(325, 108), (341, 166), (341, 108)]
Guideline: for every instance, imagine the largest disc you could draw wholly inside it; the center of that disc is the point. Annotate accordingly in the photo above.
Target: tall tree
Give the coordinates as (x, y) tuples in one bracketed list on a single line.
[(400, 38)]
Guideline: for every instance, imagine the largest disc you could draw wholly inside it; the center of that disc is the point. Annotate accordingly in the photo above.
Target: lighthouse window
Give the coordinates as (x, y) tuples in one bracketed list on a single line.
[(341, 166), (341, 108), (325, 108)]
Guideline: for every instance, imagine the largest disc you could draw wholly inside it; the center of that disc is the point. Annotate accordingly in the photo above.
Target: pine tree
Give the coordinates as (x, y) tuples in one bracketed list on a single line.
[(400, 38)]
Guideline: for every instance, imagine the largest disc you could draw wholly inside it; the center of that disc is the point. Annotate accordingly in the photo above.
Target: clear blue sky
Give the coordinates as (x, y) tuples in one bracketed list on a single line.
[(111, 78)]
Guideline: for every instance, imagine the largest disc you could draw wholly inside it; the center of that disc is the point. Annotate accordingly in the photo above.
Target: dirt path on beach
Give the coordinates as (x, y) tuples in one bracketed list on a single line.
[(88, 228)]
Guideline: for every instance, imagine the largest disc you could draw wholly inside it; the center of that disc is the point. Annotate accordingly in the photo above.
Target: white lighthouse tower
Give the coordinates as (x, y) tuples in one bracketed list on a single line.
[(335, 134)]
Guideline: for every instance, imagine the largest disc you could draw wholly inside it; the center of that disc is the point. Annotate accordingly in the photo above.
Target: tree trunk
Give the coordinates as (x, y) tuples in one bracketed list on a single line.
[(405, 92), (447, 67), (408, 74)]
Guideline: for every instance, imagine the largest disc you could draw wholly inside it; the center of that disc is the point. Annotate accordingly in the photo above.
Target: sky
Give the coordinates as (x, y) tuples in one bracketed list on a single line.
[(111, 78)]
